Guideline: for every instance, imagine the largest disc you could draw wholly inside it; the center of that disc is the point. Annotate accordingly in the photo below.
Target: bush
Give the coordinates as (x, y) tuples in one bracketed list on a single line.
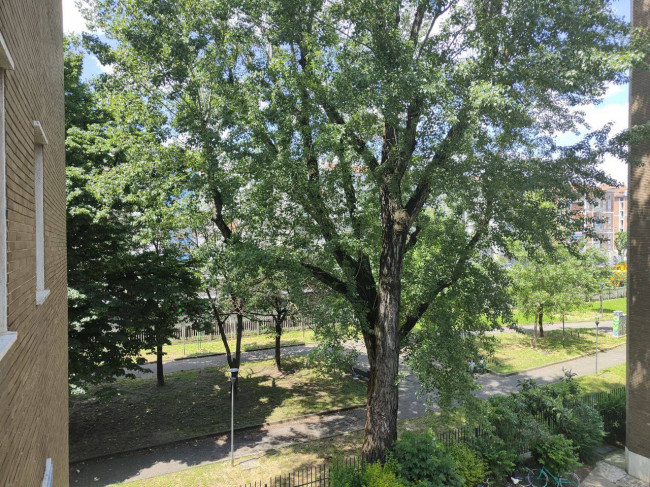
[(496, 454), (584, 427), (376, 475), (612, 411), (344, 475), (469, 466), (420, 459), (556, 453)]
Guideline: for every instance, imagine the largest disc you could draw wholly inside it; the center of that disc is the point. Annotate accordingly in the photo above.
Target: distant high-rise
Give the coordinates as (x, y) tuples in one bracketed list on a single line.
[(638, 275)]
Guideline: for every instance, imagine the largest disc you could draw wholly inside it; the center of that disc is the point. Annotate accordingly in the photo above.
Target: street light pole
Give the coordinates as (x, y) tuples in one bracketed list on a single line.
[(597, 323), (233, 378)]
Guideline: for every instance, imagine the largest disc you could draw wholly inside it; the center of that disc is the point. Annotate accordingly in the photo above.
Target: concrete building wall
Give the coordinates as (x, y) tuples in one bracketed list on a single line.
[(638, 297), (33, 371)]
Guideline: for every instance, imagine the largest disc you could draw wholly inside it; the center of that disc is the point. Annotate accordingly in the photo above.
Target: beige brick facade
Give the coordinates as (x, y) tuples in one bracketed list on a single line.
[(638, 348), (33, 372)]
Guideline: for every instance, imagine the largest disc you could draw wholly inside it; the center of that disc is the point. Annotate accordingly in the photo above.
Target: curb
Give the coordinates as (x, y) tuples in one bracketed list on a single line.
[(214, 434), (510, 374)]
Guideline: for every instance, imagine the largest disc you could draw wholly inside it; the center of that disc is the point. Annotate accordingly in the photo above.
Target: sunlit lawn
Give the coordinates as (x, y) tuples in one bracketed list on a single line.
[(606, 380), (215, 345), (515, 352), (197, 402)]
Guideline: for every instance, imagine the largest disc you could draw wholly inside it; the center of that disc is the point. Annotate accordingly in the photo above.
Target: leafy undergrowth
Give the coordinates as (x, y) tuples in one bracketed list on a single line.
[(197, 402), (515, 352)]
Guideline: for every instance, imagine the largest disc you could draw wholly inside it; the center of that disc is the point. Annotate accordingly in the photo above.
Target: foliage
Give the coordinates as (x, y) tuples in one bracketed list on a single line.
[(613, 411), (324, 129), (583, 425), (471, 468), (378, 475), (555, 282), (420, 458), (556, 453), (620, 242), (344, 474), (497, 454)]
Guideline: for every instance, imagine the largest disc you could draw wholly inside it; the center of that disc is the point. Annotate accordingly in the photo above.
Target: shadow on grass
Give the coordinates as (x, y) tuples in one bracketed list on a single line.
[(194, 403)]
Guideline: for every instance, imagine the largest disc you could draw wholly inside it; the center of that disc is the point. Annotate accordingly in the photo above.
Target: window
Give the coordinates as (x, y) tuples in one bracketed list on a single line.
[(7, 338), (40, 141)]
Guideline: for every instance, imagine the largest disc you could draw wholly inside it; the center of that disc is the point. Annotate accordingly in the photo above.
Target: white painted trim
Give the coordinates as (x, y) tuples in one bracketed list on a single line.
[(39, 222), (48, 476), (7, 339), (41, 296), (3, 209), (39, 134), (6, 62), (637, 465)]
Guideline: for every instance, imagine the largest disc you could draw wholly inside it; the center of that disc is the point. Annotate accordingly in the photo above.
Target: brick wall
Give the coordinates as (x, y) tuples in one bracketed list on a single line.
[(33, 374), (638, 300)]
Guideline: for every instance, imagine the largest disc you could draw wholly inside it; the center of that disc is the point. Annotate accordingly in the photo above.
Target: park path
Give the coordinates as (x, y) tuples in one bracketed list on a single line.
[(156, 461)]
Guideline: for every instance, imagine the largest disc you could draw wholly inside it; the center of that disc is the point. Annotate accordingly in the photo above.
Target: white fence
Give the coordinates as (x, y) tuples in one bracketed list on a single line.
[(611, 293), (250, 327)]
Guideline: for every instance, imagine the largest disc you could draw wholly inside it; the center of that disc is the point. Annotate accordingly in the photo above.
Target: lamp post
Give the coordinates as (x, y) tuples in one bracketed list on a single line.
[(233, 378), (597, 320)]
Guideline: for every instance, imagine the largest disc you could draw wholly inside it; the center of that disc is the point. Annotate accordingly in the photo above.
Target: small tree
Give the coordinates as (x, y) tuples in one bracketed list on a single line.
[(554, 281), (620, 241)]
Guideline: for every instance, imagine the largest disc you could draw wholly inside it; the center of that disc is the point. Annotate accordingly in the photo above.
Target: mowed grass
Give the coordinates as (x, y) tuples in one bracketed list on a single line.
[(197, 402), (587, 313), (514, 351), (249, 342), (265, 465), (606, 380)]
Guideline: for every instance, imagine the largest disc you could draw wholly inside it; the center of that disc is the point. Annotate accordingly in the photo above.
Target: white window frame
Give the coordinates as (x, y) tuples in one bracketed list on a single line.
[(40, 141), (7, 338)]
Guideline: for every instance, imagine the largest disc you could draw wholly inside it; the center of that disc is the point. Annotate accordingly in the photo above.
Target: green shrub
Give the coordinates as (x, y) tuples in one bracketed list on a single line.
[(612, 411), (376, 475), (584, 427), (420, 458), (343, 475), (469, 466), (496, 454), (556, 453)]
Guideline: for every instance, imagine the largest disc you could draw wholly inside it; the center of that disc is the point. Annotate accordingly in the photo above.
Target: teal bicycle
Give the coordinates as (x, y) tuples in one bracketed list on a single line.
[(541, 477)]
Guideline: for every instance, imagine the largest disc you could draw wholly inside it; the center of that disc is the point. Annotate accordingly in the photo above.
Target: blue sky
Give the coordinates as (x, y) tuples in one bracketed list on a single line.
[(614, 108)]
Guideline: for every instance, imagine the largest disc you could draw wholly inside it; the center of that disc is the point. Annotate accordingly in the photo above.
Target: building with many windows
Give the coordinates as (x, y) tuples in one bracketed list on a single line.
[(33, 289), (606, 216)]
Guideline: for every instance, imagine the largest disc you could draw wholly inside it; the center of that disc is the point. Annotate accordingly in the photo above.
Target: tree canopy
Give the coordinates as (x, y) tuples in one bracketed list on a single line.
[(326, 128)]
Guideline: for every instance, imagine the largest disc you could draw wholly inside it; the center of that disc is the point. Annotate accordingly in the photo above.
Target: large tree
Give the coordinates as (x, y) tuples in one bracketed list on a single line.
[(346, 118)]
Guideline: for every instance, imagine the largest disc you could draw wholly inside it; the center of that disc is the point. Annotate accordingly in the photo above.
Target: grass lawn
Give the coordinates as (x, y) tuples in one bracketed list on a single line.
[(606, 380), (249, 342), (586, 314), (514, 351), (273, 462), (197, 402)]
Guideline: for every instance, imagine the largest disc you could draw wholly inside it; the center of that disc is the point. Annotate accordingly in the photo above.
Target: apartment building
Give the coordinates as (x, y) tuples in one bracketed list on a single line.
[(33, 289), (609, 216)]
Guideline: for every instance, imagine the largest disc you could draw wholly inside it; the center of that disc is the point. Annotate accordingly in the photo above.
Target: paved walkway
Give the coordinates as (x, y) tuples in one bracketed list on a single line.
[(157, 461), (610, 471)]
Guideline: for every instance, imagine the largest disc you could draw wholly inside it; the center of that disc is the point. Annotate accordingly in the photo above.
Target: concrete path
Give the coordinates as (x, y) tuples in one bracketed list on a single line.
[(610, 471), (157, 461)]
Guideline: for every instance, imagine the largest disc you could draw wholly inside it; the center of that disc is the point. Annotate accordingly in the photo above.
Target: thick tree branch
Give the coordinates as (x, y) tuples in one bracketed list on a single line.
[(326, 278)]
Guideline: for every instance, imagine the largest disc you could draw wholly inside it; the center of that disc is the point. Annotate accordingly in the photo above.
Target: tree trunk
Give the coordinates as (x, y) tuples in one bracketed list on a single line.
[(540, 316), (535, 331), (278, 335), (380, 430), (159, 365)]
